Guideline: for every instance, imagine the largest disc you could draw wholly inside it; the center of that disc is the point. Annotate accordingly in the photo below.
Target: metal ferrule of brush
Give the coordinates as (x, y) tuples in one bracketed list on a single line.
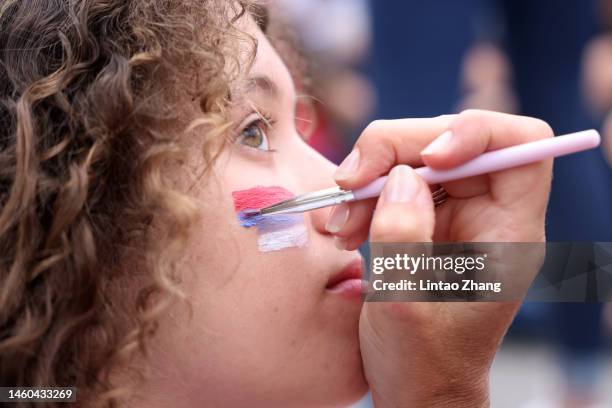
[(311, 201)]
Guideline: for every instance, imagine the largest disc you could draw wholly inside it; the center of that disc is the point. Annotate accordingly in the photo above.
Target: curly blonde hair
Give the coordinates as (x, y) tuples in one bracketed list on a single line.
[(90, 92)]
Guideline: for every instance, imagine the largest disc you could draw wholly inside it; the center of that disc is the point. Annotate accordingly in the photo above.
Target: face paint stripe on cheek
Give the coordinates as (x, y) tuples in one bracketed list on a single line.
[(259, 197), (274, 232)]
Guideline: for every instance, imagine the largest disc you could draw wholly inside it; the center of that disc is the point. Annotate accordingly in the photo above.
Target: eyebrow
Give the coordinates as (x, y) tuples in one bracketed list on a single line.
[(265, 84)]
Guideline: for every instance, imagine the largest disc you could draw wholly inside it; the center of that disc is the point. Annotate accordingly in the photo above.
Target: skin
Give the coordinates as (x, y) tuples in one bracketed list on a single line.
[(264, 331)]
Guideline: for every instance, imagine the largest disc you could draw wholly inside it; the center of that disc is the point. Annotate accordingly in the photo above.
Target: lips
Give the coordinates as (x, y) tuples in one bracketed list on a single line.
[(348, 281)]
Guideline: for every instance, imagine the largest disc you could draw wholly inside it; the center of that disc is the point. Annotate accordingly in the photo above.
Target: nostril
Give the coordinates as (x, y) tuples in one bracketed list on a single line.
[(337, 218)]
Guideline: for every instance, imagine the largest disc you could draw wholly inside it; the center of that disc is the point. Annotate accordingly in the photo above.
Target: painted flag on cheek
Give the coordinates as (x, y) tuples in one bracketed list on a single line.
[(275, 232)]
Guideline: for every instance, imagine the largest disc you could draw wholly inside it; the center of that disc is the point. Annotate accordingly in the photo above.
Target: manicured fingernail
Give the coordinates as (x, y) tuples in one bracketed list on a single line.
[(348, 167), (340, 243), (438, 144), (402, 185), (337, 218)]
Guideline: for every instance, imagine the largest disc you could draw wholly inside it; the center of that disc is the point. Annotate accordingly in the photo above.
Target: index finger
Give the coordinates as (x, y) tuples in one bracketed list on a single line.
[(474, 132), (386, 143)]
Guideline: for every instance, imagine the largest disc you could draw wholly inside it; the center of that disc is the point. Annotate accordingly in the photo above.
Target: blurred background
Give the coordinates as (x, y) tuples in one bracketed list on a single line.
[(542, 58)]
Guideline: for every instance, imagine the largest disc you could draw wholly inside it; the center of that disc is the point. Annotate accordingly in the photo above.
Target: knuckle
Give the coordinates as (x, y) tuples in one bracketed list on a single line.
[(401, 313), (377, 146), (373, 129), (541, 129), (470, 121), (472, 114)]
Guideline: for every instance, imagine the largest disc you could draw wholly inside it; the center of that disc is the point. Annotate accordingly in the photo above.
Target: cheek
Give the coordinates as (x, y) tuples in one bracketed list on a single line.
[(275, 232), (248, 315)]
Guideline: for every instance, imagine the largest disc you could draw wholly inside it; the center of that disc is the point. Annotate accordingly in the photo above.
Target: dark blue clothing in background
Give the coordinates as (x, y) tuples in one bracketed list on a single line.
[(416, 54), (545, 42)]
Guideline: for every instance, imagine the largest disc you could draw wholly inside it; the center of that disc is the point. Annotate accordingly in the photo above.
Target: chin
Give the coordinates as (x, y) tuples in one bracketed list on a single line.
[(346, 381), (355, 390), (339, 396), (335, 376)]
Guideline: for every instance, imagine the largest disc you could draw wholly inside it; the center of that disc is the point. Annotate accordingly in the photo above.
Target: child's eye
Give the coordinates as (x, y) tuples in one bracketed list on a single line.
[(254, 135)]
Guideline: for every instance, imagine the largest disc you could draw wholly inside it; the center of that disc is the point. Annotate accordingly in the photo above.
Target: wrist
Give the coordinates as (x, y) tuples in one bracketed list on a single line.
[(458, 393)]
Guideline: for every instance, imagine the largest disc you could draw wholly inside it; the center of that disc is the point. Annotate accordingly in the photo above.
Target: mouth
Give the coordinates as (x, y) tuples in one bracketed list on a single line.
[(348, 282)]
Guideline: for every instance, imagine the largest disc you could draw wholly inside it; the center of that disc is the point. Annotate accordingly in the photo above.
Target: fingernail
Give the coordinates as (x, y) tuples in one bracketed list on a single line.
[(402, 185), (340, 243), (348, 167), (438, 144), (337, 218)]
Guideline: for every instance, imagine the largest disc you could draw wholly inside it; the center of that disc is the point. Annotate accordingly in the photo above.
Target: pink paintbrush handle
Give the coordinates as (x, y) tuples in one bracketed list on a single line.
[(496, 160)]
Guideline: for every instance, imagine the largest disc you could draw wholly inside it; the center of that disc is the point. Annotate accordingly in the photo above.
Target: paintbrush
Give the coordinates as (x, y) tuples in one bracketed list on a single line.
[(488, 162)]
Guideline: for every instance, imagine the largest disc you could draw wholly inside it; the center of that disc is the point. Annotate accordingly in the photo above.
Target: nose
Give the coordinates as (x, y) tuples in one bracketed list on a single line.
[(315, 173)]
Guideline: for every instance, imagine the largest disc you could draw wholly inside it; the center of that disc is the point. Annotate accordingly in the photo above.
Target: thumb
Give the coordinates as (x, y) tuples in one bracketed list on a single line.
[(405, 210)]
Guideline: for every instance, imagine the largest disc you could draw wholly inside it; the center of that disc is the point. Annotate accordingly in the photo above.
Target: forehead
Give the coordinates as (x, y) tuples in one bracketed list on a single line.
[(267, 63)]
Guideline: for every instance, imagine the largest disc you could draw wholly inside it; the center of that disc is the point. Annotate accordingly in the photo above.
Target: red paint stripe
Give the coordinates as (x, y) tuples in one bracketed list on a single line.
[(259, 197)]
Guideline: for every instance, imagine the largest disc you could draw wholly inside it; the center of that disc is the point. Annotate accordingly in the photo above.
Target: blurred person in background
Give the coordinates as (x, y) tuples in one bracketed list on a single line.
[(597, 75), (486, 79)]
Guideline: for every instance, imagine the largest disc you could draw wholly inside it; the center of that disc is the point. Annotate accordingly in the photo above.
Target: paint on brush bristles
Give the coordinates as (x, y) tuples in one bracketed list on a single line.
[(275, 232)]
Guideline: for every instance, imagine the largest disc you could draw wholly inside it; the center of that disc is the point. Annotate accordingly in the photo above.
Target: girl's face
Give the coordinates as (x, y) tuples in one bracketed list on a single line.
[(265, 329)]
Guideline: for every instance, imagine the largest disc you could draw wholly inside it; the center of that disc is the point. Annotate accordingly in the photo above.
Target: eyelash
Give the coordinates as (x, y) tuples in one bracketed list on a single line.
[(262, 120)]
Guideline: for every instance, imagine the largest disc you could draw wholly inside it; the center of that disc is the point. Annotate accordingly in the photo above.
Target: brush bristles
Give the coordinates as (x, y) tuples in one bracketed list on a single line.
[(251, 213)]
